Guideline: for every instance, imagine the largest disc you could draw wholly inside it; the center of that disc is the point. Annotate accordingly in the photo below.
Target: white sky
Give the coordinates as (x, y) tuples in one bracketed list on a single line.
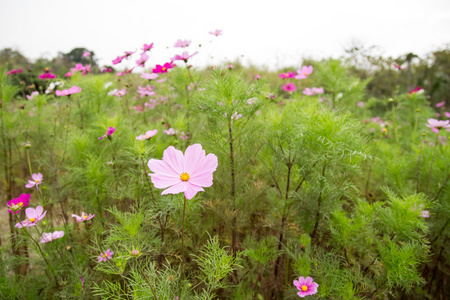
[(271, 33)]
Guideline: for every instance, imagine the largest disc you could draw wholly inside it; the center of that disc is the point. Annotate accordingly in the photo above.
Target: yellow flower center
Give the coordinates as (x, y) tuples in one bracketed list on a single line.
[(184, 176), (304, 288), (306, 74), (105, 255), (287, 74), (164, 68), (32, 220), (85, 217), (20, 203), (37, 181)]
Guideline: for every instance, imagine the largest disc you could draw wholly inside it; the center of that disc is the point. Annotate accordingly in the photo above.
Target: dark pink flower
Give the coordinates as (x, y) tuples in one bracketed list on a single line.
[(16, 204), (286, 75), (109, 132), (15, 71), (188, 173), (257, 76), (290, 87), (118, 60), (146, 47), (47, 75), (107, 255), (185, 56), (105, 70), (164, 68), (216, 33), (417, 89), (128, 54), (304, 72), (82, 282), (182, 44), (68, 74), (306, 286), (33, 216)]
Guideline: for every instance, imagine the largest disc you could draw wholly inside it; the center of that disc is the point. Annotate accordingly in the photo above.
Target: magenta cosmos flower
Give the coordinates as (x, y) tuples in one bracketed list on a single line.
[(109, 132), (290, 87), (185, 56), (417, 89), (188, 173), (436, 125), (182, 44), (306, 286), (149, 76), (118, 60), (147, 135), (107, 255), (16, 204), (164, 68), (286, 75), (146, 47), (84, 217), (15, 71), (47, 75), (304, 72), (33, 216), (36, 179), (48, 236), (216, 33)]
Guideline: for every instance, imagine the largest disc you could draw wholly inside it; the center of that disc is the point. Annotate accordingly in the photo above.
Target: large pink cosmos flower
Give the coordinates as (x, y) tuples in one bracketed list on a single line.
[(216, 33), (436, 125), (48, 236), (290, 87), (185, 56), (306, 286), (286, 75), (16, 204), (107, 255), (33, 216), (109, 132), (84, 217), (188, 173), (36, 179), (141, 61), (304, 72), (147, 135), (146, 47), (182, 44), (149, 76)]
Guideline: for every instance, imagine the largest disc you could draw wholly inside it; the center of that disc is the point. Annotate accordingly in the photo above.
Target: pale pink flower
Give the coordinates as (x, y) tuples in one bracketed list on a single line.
[(182, 44), (360, 104), (184, 136), (147, 135), (107, 255), (129, 53), (33, 216), (141, 61), (304, 72), (48, 237), (36, 179), (447, 114), (15, 71), (436, 125), (30, 97), (86, 54), (316, 90), (120, 93), (308, 92), (425, 214), (150, 76), (146, 91), (73, 90), (146, 47), (84, 217), (161, 80), (306, 286), (170, 131), (230, 67), (185, 56), (124, 72), (440, 104), (108, 134), (188, 173), (216, 33)]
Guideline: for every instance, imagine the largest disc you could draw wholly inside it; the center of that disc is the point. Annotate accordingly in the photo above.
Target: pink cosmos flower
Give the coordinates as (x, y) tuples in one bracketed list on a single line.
[(438, 115), (147, 135), (15, 71), (47, 75), (440, 104), (185, 56), (216, 33), (33, 216), (170, 131), (84, 217), (129, 53), (150, 76), (290, 87), (146, 47), (16, 204), (62, 93), (230, 67), (286, 75), (360, 104), (118, 60), (105, 70), (188, 173), (141, 61), (182, 44), (316, 90), (304, 72), (417, 89), (146, 91), (68, 74), (306, 286), (436, 125), (308, 92), (447, 114), (36, 179), (30, 97), (73, 90), (107, 255), (120, 93), (109, 132), (257, 76), (86, 54), (398, 67), (48, 237), (425, 214)]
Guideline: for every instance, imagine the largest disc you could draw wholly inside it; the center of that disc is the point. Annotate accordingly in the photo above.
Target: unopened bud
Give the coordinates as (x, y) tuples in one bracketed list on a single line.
[(391, 100)]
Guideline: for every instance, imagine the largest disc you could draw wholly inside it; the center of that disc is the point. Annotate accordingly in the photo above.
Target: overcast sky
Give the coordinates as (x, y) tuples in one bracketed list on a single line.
[(271, 33)]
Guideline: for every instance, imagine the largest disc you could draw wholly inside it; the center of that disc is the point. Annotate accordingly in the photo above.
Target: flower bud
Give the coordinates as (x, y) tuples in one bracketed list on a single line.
[(135, 252)]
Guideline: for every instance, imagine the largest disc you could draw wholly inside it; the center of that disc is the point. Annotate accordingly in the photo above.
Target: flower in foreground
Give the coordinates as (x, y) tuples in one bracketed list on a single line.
[(185, 56), (107, 255), (84, 217), (304, 72), (36, 179), (147, 135), (16, 204), (182, 44), (290, 87), (436, 125), (188, 173), (33, 216), (48, 237), (306, 286), (109, 132), (216, 33)]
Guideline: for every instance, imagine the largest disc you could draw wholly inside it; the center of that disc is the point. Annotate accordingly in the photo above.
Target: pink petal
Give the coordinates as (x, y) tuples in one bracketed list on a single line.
[(435, 130), (301, 280), (205, 179), (208, 165), (308, 281), (39, 210), (174, 158), (176, 189), (192, 190), (30, 213), (296, 283), (193, 155), (161, 167), (30, 184), (163, 181)]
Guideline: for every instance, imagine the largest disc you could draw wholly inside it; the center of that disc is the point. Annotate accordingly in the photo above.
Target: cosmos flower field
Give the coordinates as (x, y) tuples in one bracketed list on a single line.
[(171, 181)]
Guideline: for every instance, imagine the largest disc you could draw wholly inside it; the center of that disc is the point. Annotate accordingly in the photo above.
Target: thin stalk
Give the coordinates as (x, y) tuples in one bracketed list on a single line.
[(432, 161), (148, 281), (418, 167), (319, 204), (442, 187), (233, 189), (182, 246), (81, 113)]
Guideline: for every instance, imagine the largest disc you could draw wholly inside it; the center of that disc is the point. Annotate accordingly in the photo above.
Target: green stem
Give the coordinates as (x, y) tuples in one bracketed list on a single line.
[(432, 161)]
